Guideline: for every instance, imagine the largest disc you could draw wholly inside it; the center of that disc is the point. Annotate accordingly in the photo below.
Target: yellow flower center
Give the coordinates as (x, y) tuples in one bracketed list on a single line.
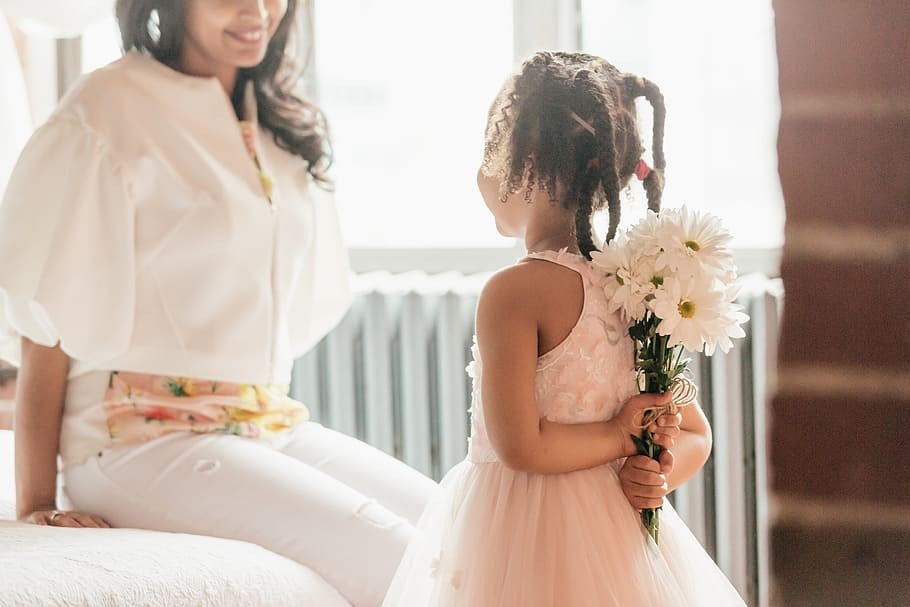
[(657, 281), (692, 245), (686, 309)]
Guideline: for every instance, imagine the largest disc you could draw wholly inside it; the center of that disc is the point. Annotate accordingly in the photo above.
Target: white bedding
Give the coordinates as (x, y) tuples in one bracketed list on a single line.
[(127, 567)]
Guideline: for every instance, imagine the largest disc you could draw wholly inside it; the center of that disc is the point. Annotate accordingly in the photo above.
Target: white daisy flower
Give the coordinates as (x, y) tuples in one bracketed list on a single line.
[(728, 328), (643, 236), (693, 241), (690, 311), (628, 278)]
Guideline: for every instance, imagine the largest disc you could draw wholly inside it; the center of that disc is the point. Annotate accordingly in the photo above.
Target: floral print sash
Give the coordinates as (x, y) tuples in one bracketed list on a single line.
[(140, 407)]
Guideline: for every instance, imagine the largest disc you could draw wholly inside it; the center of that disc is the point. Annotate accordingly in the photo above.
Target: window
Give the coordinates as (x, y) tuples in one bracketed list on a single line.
[(100, 44), (406, 85), (716, 65)]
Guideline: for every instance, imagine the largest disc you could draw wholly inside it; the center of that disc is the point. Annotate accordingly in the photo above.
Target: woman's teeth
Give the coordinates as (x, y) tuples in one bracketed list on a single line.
[(249, 36)]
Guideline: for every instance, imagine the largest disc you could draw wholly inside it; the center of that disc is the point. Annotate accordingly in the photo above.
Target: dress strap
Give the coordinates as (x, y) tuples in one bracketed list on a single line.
[(591, 275), (562, 257)]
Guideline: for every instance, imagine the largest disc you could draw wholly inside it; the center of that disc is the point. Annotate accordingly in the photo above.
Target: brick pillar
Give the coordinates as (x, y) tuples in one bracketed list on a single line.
[(840, 422)]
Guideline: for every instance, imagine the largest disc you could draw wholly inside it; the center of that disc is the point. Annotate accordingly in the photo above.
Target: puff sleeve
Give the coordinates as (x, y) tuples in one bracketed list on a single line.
[(66, 246)]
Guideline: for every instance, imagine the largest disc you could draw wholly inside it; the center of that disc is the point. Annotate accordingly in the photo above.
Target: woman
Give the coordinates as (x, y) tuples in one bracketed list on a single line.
[(162, 264)]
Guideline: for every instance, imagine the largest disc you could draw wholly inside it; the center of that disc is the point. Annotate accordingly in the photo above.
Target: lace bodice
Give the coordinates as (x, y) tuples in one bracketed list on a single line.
[(585, 378)]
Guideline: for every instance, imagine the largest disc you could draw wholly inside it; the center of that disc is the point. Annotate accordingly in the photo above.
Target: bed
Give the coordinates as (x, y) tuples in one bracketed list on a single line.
[(128, 567)]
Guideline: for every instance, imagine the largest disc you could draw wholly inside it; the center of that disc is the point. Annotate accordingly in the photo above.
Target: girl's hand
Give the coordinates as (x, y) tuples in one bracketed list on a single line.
[(60, 518), (629, 419), (665, 429), (644, 481)]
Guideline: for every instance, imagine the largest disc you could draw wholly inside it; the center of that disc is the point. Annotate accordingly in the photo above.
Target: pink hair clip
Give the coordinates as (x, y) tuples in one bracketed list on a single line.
[(642, 170)]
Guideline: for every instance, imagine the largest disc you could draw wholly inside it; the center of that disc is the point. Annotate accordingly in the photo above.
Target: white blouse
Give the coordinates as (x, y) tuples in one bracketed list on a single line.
[(135, 232)]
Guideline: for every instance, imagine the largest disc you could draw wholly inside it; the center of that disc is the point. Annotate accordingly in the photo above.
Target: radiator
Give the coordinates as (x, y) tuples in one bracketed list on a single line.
[(393, 374)]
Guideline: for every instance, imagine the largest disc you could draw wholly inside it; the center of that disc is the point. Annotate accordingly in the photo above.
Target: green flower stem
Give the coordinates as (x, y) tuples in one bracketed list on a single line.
[(660, 365)]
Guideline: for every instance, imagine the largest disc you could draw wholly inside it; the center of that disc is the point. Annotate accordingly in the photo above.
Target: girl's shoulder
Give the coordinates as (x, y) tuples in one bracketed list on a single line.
[(534, 288), (529, 277)]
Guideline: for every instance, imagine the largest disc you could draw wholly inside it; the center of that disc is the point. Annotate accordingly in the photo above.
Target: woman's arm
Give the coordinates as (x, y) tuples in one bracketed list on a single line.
[(508, 314), (40, 392)]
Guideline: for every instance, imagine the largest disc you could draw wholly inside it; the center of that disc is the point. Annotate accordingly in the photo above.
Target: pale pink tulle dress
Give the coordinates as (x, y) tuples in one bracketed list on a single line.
[(494, 537)]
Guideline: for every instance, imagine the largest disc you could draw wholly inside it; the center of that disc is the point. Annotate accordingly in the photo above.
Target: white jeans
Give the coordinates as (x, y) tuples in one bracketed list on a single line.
[(324, 499)]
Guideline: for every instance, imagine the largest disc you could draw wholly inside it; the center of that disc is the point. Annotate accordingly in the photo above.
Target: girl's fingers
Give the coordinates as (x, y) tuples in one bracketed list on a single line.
[(666, 462), (643, 462), (670, 420), (641, 477), (642, 504), (647, 479), (641, 402), (647, 491), (103, 524), (669, 430), (666, 428), (665, 442)]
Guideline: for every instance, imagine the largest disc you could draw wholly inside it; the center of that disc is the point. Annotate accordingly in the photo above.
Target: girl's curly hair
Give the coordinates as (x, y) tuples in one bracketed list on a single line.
[(533, 139)]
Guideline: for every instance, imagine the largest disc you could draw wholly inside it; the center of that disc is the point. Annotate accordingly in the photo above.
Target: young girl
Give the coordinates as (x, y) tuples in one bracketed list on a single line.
[(167, 248), (539, 513)]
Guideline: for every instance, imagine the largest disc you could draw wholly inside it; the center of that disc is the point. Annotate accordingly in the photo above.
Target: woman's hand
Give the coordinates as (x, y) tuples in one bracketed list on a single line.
[(644, 480), (60, 518)]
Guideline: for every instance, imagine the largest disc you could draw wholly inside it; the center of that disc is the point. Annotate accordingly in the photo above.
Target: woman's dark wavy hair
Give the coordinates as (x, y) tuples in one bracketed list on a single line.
[(156, 27), (532, 138)]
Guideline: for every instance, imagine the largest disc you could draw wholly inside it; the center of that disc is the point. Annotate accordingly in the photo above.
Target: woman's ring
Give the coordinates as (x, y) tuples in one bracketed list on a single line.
[(57, 514)]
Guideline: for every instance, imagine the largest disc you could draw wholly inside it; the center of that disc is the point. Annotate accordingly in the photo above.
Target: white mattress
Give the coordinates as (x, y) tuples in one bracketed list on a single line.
[(127, 567)]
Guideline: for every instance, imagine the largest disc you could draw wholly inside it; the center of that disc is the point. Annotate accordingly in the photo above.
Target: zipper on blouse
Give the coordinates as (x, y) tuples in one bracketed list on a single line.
[(250, 131), (272, 283)]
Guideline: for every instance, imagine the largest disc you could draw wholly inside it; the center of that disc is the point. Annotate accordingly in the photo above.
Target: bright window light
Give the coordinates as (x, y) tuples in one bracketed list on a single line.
[(716, 65)]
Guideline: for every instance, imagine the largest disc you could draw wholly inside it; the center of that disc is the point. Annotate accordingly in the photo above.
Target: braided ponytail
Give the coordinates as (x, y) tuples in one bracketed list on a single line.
[(584, 231), (654, 182), (609, 175)]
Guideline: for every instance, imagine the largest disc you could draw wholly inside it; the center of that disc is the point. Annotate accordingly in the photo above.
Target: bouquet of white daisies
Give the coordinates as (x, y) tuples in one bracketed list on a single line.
[(674, 282)]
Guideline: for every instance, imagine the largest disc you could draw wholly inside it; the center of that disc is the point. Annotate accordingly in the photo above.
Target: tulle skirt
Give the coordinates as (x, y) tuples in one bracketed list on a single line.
[(494, 537)]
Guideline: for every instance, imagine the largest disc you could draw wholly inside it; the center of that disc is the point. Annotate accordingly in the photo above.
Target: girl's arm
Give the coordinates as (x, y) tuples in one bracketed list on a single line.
[(40, 393), (508, 314), (692, 448)]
